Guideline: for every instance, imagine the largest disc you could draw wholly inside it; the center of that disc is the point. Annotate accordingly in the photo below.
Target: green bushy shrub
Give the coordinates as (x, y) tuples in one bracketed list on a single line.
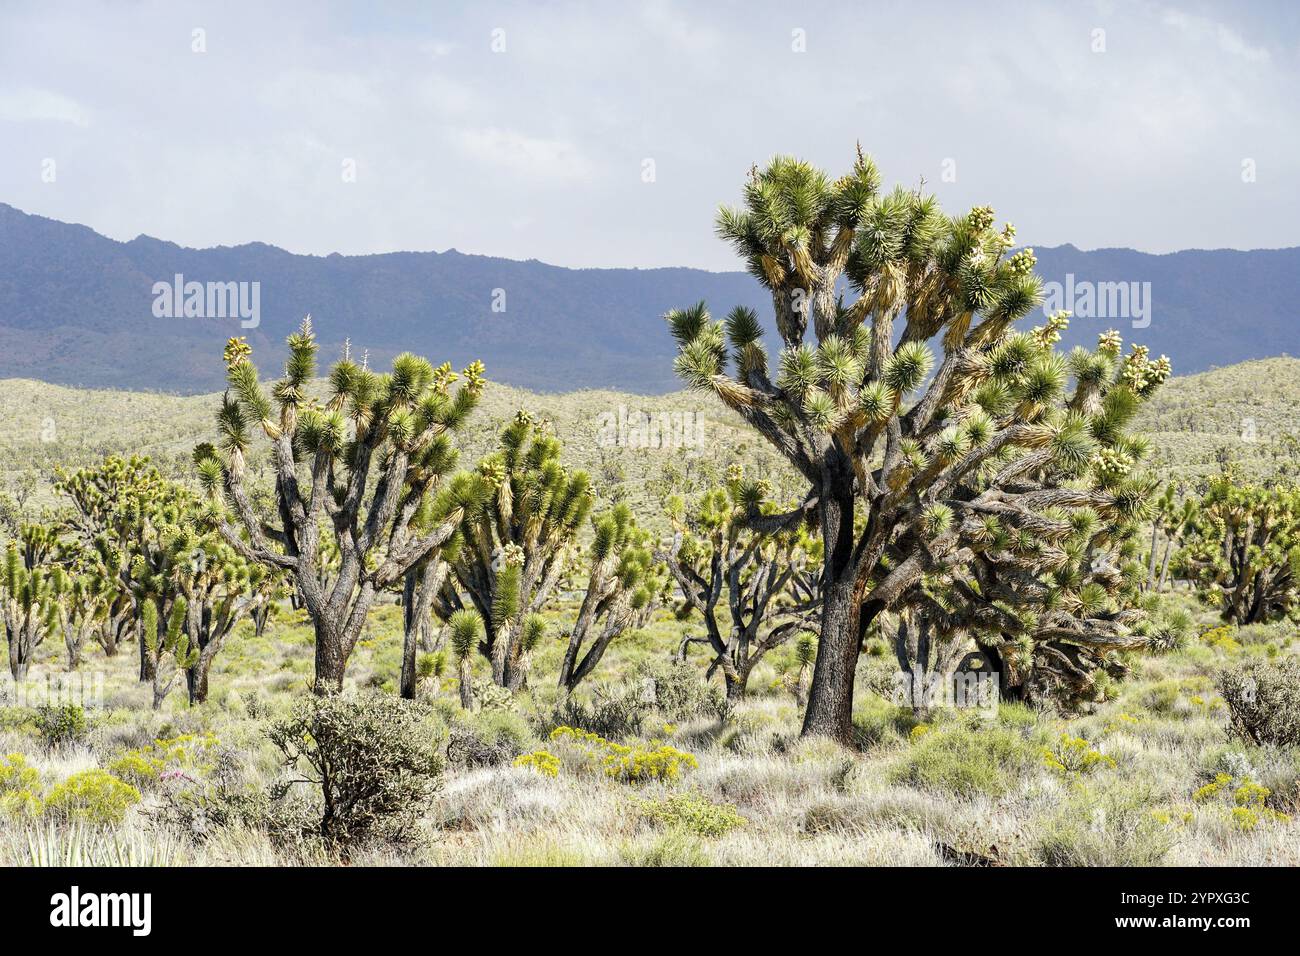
[(1113, 828), (679, 692), (691, 812), (967, 759), (615, 715), (370, 756), (92, 796), (60, 724), (1263, 700)]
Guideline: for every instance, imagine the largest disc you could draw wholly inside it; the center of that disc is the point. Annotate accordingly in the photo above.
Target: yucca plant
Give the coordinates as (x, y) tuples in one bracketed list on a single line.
[(356, 469), (768, 580), (516, 541), (29, 608), (466, 632), (623, 581), (1243, 549), (918, 464)]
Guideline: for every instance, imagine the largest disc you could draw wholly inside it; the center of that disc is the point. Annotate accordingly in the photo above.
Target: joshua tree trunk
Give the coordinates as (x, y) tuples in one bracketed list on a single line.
[(196, 681), (147, 664), (466, 687), (17, 661), (418, 590), (331, 659), (1164, 563), (830, 699)]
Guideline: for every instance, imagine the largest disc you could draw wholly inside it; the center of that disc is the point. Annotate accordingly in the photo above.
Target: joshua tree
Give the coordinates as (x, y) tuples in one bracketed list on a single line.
[(770, 579), (172, 644), (423, 581), (107, 522), (81, 601), (1172, 515), (906, 461), (1243, 546), (219, 589), (357, 467), (27, 601), (623, 580), (466, 633), (516, 540)]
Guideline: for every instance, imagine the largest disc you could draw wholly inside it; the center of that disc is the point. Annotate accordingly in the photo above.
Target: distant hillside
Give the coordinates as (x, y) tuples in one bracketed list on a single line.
[(1249, 413), (76, 308)]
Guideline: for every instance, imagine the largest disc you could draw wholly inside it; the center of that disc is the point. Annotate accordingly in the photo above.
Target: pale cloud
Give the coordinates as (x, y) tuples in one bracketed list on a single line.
[(25, 104), (538, 151), (1227, 39), (529, 156)]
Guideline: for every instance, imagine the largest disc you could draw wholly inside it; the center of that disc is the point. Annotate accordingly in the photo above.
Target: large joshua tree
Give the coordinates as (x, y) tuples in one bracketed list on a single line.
[(906, 459), (357, 468)]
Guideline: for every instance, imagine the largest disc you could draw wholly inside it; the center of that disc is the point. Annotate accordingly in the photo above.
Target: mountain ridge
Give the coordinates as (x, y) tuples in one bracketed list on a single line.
[(76, 308)]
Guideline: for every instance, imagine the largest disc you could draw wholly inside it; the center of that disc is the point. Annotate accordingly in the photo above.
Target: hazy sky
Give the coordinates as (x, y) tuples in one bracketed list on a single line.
[(1141, 135)]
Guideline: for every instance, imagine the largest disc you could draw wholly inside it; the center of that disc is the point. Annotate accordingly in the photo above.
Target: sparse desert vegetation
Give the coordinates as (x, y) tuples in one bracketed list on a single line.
[(923, 593)]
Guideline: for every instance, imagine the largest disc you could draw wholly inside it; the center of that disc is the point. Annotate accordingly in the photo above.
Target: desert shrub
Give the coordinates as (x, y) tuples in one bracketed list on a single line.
[(91, 796), (1074, 755), (680, 694), (20, 787), (142, 767), (692, 813), (966, 759), (1246, 800), (369, 755), (1113, 828), (60, 724), (488, 739), (615, 715), (1263, 700), (878, 720), (1161, 698), (630, 764), (224, 798), (543, 761), (672, 848)]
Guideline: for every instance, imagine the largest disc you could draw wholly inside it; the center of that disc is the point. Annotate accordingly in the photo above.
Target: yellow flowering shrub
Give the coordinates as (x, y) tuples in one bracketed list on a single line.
[(1074, 755), (1248, 808), (630, 764), (638, 764), (143, 766), (543, 761), (20, 787), (95, 796), (1221, 638), (1214, 788)]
